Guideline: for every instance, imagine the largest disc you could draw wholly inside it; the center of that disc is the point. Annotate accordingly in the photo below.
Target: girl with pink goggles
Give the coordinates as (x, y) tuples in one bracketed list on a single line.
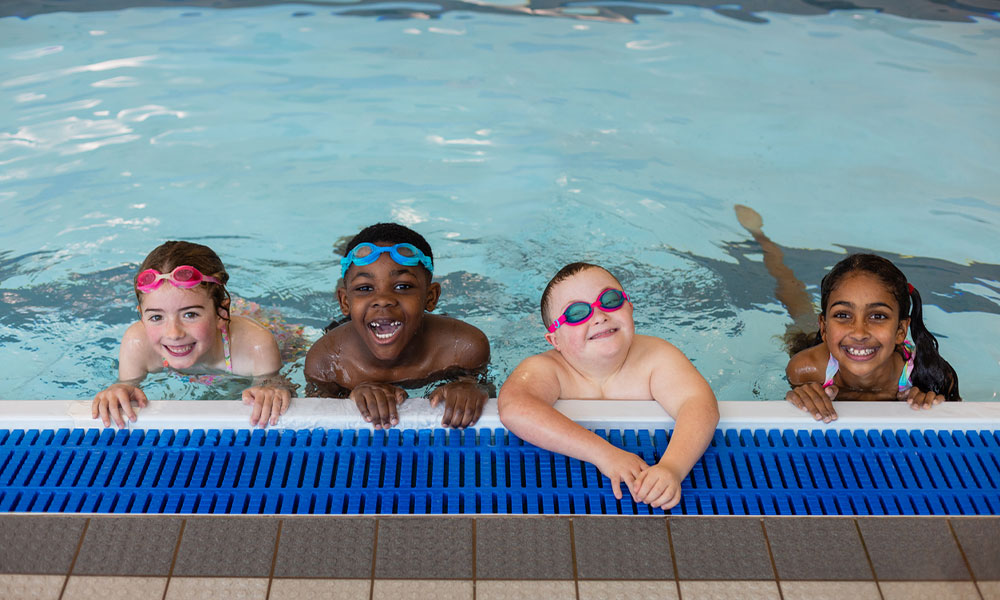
[(184, 277)]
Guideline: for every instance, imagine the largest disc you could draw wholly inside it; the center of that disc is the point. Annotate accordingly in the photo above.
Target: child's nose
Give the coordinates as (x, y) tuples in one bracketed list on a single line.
[(860, 329), (174, 329), (385, 299)]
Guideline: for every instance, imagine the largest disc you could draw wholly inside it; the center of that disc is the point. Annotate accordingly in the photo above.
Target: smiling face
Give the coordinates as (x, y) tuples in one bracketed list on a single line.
[(182, 326), (604, 334), (862, 325), (386, 303)]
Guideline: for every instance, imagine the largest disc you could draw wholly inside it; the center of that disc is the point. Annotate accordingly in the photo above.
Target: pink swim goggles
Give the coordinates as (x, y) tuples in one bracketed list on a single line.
[(578, 313), (184, 277)]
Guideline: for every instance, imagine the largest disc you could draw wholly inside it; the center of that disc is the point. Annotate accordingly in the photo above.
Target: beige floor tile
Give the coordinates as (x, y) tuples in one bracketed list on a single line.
[(628, 590), (114, 588), (990, 590), (320, 589), (829, 590), (929, 590), (217, 588), (729, 590), (31, 587), (491, 589), (414, 589)]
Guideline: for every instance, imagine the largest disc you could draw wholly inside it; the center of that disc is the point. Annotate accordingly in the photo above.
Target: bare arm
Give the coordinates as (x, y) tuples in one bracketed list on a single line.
[(686, 396), (114, 403), (525, 406)]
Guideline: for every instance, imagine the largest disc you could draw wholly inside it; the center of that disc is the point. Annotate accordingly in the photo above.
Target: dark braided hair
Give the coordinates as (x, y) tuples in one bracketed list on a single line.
[(931, 372)]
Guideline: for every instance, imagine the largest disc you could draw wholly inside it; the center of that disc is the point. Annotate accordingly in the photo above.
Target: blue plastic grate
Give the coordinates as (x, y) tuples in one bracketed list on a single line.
[(453, 472)]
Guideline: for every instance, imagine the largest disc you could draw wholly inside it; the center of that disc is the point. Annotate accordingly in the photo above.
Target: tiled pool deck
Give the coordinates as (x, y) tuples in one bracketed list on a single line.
[(443, 557)]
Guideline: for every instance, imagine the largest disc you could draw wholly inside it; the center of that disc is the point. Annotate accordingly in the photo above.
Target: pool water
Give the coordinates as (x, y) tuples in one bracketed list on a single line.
[(515, 141)]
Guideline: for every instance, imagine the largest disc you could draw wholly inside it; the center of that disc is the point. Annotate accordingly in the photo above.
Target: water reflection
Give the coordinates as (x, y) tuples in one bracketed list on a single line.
[(753, 11)]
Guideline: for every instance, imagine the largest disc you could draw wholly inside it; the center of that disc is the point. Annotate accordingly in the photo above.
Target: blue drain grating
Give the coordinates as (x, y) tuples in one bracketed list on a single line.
[(432, 472)]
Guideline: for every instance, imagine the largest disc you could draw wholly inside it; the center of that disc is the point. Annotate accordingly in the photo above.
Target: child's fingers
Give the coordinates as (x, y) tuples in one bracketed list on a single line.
[(362, 403), (95, 406), (259, 404), (669, 499), (103, 410), (616, 486), (115, 413), (125, 399), (140, 396), (286, 400), (449, 408), (277, 408), (387, 409), (247, 396)]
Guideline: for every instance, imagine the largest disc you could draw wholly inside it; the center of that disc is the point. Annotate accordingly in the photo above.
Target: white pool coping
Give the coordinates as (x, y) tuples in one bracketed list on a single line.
[(416, 413)]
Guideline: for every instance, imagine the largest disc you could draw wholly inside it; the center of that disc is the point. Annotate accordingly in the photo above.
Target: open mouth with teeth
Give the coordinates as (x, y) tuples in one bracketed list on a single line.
[(859, 353), (603, 334), (385, 330), (179, 351)]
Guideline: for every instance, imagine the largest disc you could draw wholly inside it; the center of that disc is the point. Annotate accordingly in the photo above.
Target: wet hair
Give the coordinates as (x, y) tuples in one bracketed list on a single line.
[(931, 372), (564, 274), (390, 233), (170, 255)]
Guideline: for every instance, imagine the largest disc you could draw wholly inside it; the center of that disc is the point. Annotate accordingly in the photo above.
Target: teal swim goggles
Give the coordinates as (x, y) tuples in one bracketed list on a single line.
[(407, 255)]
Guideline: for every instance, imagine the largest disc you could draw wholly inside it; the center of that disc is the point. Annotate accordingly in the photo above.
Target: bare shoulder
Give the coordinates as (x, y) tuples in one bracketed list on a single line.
[(254, 349), (466, 345), (650, 351), (248, 331), (320, 357), (539, 375), (136, 357), (808, 366)]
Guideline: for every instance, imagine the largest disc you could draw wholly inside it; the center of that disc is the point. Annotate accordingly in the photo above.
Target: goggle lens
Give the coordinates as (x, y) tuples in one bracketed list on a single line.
[(578, 312), (146, 278), (186, 275), (612, 299)]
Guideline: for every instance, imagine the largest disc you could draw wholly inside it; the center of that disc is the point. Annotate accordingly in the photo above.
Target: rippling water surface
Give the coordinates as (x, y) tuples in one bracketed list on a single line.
[(516, 138)]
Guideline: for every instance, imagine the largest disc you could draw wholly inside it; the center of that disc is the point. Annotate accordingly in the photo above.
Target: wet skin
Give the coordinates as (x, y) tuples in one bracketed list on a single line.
[(863, 330), (391, 340)]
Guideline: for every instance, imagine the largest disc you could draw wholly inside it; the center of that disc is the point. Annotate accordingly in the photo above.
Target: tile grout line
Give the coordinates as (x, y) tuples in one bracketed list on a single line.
[(474, 558), (72, 564), (770, 556), (274, 558), (173, 561), (371, 586), (572, 551), (871, 565), (965, 559), (673, 557)]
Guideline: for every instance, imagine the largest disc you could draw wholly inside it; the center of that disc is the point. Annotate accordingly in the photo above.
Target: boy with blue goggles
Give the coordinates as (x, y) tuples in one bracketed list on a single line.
[(407, 255)]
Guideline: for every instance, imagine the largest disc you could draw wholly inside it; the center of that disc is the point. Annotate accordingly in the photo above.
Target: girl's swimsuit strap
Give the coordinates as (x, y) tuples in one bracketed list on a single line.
[(904, 383)]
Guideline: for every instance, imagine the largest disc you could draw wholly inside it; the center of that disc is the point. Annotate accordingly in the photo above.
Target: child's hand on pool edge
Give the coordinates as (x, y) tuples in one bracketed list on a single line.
[(659, 486), (620, 467), (269, 403), (463, 402), (815, 399), (918, 399), (114, 400), (377, 403)]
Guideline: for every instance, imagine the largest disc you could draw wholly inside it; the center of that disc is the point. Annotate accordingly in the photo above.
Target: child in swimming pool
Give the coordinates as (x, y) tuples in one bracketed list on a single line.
[(861, 351), (185, 325), (390, 338), (597, 354)]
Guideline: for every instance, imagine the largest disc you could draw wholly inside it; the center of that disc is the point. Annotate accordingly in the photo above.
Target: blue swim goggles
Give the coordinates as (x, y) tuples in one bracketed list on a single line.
[(407, 255)]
